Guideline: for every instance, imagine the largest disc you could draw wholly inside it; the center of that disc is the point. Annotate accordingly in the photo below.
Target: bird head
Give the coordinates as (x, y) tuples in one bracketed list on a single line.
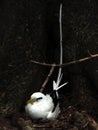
[(36, 97)]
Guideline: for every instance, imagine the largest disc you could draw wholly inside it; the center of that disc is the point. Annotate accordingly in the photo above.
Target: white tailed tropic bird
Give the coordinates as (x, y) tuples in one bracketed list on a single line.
[(46, 107)]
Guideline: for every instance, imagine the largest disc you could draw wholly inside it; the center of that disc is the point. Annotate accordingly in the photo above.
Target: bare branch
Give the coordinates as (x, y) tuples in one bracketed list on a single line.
[(65, 64)]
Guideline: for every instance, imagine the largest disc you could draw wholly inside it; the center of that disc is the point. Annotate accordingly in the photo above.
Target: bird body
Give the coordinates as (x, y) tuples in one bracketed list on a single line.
[(41, 106)]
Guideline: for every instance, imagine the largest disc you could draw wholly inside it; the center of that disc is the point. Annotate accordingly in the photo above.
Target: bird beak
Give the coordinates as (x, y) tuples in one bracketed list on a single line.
[(31, 101)]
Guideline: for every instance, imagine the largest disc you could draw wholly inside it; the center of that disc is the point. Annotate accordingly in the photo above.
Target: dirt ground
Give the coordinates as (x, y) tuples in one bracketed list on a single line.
[(70, 118)]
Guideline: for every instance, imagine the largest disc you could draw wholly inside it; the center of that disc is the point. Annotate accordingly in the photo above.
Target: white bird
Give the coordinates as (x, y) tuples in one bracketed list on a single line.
[(41, 106)]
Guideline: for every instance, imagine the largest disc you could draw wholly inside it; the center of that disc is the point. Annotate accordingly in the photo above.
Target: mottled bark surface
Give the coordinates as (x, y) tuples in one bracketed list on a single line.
[(29, 30)]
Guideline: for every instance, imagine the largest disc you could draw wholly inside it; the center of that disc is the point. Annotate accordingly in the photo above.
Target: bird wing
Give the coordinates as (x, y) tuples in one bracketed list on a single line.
[(54, 114)]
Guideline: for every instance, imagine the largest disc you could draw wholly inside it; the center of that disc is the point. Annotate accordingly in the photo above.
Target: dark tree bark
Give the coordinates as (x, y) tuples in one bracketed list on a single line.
[(29, 30)]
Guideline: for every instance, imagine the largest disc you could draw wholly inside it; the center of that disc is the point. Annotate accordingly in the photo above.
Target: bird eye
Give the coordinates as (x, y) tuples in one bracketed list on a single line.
[(39, 98)]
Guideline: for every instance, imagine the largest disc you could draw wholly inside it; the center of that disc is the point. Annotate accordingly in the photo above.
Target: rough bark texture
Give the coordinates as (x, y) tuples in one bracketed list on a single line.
[(30, 30)]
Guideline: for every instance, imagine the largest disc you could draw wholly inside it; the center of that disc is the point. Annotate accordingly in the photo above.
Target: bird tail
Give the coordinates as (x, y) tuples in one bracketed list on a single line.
[(56, 84)]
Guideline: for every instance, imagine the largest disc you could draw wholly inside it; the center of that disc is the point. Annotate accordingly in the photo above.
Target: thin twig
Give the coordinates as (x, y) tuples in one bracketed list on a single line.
[(65, 64), (47, 79), (92, 123)]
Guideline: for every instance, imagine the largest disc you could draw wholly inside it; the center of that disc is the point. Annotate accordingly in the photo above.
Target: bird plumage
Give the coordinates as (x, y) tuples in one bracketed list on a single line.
[(40, 108)]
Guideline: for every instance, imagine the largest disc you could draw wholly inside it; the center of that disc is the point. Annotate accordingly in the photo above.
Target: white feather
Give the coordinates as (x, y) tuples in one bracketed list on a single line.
[(60, 74)]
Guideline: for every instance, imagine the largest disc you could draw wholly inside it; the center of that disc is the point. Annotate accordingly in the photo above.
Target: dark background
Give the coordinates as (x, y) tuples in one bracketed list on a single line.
[(29, 30)]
